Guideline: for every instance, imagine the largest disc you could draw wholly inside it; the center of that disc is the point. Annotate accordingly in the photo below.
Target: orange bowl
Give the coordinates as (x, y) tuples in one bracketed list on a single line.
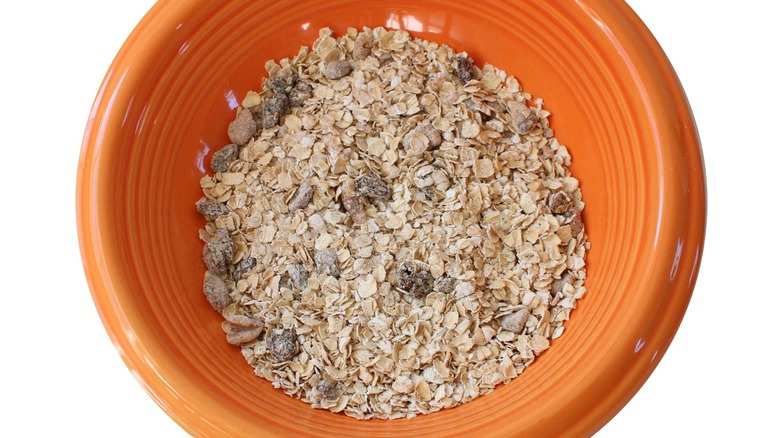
[(616, 103)]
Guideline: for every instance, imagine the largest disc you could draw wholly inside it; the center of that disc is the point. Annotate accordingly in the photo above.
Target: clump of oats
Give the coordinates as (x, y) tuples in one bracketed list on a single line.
[(392, 230)]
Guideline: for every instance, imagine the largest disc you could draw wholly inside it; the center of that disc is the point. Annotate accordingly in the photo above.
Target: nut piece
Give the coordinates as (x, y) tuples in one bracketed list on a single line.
[(300, 93), (243, 266), (243, 128), (221, 160), (216, 291), (328, 263), (371, 186), (515, 322), (559, 202), (414, 280), (337, 69), (274, 108), (282, 345), (445, 284), (363, 45), (463, 68), (557, 285), (302, 197), (238, 335), (299, 276), (241, 329), (576, 225), (211, 209), (327, 389), (424, 133), (354, 206), (218, 252)]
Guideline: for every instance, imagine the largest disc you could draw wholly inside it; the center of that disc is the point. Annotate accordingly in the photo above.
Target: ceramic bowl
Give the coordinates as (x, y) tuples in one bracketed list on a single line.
[(616, 103)]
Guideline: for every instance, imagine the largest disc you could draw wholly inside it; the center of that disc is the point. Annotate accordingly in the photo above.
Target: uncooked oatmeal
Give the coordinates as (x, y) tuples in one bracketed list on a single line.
[(393, 230)]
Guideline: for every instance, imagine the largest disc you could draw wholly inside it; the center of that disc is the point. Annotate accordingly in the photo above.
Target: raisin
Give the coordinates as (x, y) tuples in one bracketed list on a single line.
[(327, 389), (371, 186), (216, 291), (211, 209), (414, 280), (328, 263), (445, 284), (299, 275), (282, 345), (281, 84), (300, 93), (302, 197), (337, 69), (243, 266), (526, 121), (243, 128), (218, 252), (221, 160), (463, 68), (274, 108)]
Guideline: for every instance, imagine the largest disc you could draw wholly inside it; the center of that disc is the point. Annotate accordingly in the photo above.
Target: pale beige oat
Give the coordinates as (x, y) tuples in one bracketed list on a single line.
[(402, 241)]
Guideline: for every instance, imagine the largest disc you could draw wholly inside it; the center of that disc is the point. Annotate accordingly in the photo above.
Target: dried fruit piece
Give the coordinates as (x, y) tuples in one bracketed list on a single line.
[(559, 202), (515, 322), (445, 284), (327, 389), (414, 279), (525, 119), (328, 263), (363, 45), (282, 345), (273, 109), (243, 128), (211, 209), (218, 252), (463, 68), (300, 93), (216, 291), (281, 84), (299, 276), (354, 206), (243, 266), (371, 186), (221, 160), (337, 69), (302, 197), (576, 225)]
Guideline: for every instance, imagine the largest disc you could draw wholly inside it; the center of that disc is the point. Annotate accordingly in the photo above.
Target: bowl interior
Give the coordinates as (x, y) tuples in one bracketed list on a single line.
[(616, 103)]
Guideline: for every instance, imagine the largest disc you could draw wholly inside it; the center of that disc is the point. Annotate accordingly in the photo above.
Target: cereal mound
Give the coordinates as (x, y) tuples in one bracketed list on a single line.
[(392, 230)]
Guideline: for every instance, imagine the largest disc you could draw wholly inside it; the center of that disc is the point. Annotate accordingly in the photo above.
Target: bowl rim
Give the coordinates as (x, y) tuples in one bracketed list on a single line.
[(617, 16)]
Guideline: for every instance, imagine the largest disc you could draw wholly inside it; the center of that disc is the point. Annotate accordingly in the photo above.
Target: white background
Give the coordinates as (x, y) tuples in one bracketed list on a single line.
[(62, 377)]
